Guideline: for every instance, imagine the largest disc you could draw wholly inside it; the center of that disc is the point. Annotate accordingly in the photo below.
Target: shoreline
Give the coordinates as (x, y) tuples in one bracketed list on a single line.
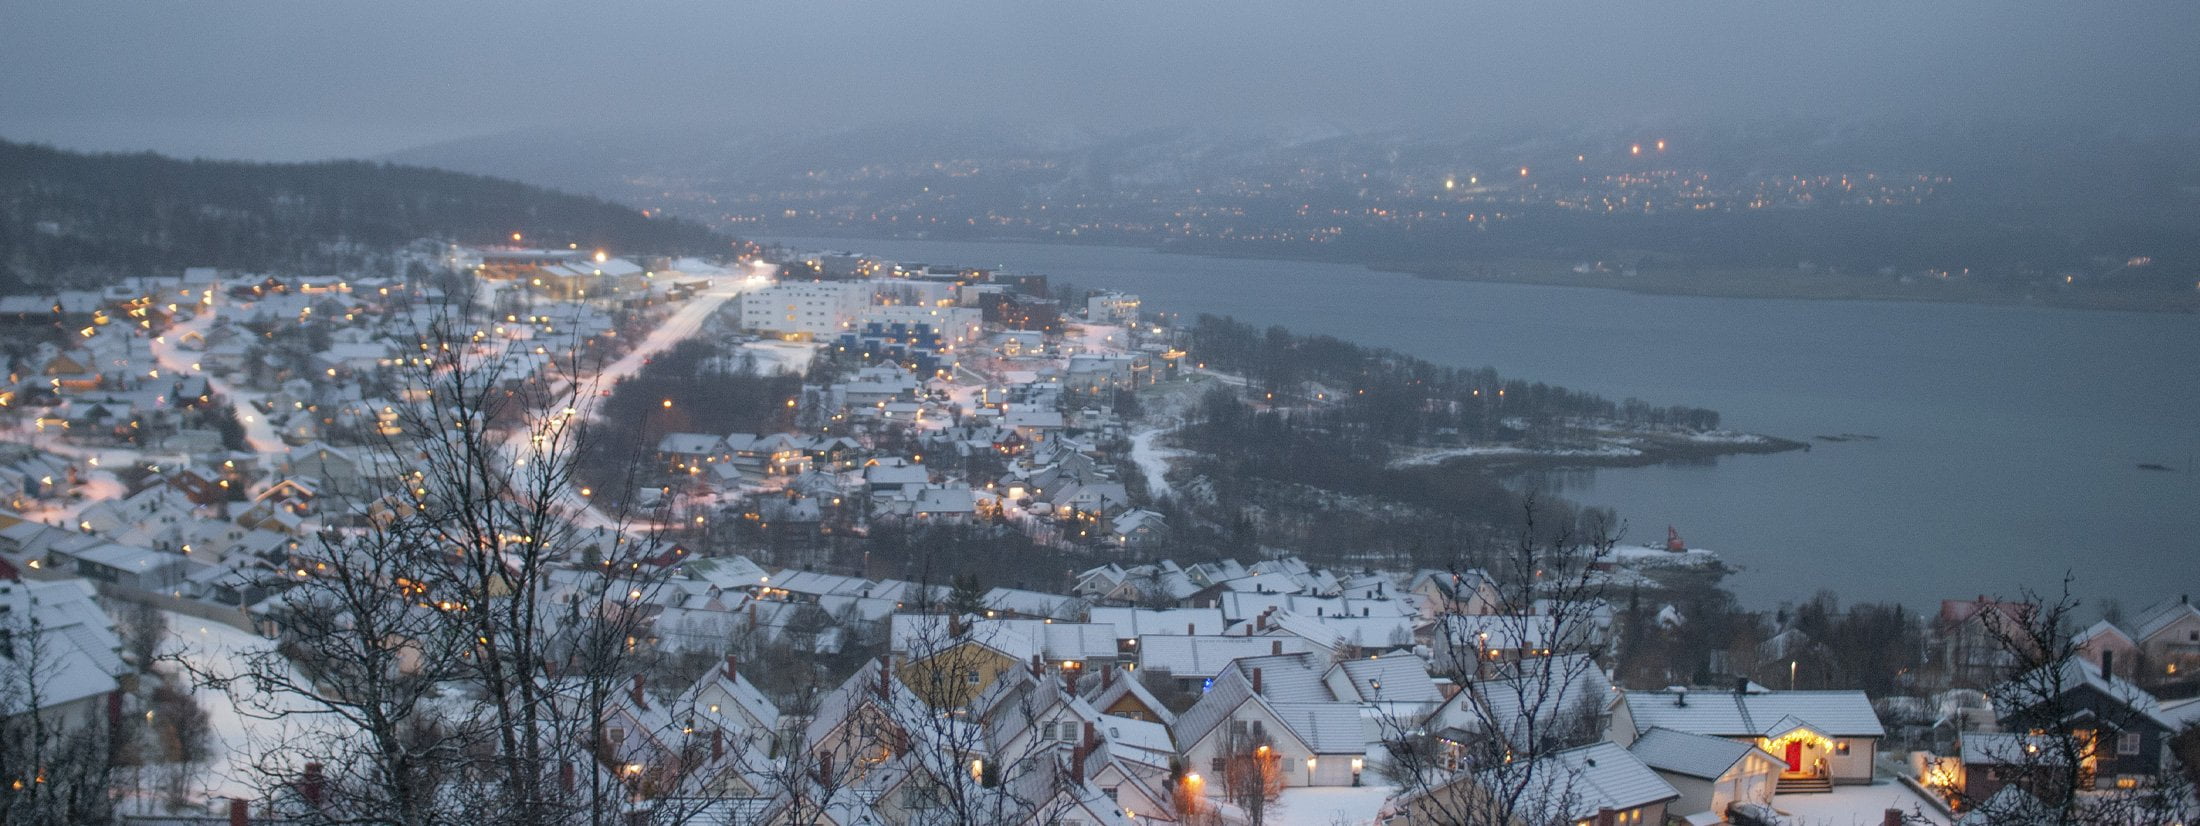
[(1779, 285), (1650, 450)]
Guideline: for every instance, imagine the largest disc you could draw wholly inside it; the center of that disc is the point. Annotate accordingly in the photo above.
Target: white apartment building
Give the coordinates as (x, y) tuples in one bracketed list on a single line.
[(1112, 308), (809, 309)]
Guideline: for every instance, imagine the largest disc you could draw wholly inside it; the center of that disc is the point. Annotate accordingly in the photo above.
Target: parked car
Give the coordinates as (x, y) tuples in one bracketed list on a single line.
[(1752, 814)]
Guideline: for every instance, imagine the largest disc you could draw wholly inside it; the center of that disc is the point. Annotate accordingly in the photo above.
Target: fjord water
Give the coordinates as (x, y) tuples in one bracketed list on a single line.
[(2009, 438)]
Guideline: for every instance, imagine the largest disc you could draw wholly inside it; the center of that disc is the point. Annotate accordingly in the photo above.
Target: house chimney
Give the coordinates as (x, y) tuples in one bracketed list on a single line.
[(641, 699), (1038, 666), (1607, 817), (1741, 686), (1107, 679), (1680, 696), (885, 679), (1069, 680), (732, 666), (1187, 629), (1077, 765), (1276, 648), (1256, 681), (717, 742), (1892, 818), (2108, 663), (565, 775), (240, 812), (1092, 737), (311, 785)]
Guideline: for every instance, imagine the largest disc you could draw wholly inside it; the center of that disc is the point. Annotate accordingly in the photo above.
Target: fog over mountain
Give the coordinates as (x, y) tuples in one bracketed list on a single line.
[(276, 81)]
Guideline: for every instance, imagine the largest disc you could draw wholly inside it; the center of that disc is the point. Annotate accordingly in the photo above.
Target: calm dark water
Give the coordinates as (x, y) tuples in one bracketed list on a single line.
[(2009, 437)]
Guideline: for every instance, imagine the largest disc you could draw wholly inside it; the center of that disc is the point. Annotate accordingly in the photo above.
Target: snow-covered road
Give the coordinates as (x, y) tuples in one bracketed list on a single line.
[(681, 325), (258, 431)]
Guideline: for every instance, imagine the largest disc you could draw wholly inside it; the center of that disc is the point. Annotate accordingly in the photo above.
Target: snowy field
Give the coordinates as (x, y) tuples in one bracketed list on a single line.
[(780, 356)]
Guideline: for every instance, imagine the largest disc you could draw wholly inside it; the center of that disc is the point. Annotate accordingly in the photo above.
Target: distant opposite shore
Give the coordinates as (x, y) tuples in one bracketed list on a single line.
[(1705, 282)]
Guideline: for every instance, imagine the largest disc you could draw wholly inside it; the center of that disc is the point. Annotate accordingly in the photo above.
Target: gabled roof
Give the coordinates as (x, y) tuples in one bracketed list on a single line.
[(1323, 727), (79, 652), (1288, 678), (1395, 678), (1131, 623), (1203, 656), (1693, 755), (1546, 696), (1980, 748), (1602, 776), (2024, 692), (2162, 616), (691, 444), (2101, 631), (1727, 714), (1113, 685)]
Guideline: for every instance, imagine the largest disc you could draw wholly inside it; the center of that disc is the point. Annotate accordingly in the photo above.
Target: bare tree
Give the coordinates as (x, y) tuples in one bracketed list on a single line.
[(1530, 684), (455, 660), (1252, 774), (55, 766), (2071, 722)]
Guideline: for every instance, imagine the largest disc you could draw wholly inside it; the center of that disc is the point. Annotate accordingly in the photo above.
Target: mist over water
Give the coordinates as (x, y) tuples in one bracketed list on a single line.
[(2008, 438)]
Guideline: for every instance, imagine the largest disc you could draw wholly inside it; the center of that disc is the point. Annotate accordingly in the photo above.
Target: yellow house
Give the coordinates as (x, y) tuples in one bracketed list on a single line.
[(957, 674)]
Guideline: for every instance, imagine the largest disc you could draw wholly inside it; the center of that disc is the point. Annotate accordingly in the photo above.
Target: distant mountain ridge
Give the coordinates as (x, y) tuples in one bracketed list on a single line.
[(73, 220)]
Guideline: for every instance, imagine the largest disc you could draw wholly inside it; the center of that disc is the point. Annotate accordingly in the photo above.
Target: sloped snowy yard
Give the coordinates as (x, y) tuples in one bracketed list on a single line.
[(211, 645)]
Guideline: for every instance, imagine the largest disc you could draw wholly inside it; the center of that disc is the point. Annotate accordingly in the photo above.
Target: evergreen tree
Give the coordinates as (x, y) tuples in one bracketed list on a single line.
[(967, 596)]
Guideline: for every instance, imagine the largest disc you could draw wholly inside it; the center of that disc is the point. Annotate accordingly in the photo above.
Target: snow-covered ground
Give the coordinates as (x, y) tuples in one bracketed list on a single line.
[(1644, 555), (217, 647), (1439, 456), (1329, 806), (780, 356), (1153, 460), (1856, 805)]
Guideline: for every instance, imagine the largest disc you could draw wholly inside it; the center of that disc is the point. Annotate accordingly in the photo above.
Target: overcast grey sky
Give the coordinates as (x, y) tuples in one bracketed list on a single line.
[(285, 79)]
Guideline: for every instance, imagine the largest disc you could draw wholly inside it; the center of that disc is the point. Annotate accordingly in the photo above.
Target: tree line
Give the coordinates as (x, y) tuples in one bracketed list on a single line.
[(71, 220), (1388, 395)]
